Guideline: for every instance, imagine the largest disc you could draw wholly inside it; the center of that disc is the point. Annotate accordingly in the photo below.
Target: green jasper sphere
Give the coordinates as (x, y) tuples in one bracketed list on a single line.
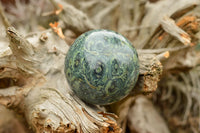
[(101, 67)]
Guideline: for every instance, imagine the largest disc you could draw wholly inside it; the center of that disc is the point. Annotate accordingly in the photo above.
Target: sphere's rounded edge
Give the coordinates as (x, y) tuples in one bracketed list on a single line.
[(80, 93)]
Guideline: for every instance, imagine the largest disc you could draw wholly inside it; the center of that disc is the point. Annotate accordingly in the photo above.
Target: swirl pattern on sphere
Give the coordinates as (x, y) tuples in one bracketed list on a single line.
[(101, 67)]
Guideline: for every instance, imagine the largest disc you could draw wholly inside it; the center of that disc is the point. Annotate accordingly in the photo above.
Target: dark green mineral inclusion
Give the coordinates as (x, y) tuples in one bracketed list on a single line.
[(101, 67)]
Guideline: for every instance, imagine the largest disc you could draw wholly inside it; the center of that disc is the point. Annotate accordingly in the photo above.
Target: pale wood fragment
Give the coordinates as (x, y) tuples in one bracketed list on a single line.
[(74, 19), (143, 118), (170, 27)]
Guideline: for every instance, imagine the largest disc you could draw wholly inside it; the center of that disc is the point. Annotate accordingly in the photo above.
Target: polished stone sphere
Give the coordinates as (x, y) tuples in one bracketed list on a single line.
[(101, 67)]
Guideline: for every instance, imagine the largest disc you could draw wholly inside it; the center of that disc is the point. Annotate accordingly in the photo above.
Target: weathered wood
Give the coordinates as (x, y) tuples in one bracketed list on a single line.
[(44, 94), (31, 68), (144, 118), (73, 18)]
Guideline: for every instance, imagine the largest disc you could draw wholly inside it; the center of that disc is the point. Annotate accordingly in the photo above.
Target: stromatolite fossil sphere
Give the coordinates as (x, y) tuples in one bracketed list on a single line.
[(101, 67)]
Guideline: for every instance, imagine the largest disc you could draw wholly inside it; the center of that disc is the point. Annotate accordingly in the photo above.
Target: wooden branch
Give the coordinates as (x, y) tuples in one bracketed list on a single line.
[(100, 16), (150, 71), (22, 50), (74, 19), (4, 19), (170, 27)]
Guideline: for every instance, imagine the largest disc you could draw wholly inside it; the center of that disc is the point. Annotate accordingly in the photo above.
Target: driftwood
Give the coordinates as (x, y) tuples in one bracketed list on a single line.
[(32, 80), (40, 88)]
